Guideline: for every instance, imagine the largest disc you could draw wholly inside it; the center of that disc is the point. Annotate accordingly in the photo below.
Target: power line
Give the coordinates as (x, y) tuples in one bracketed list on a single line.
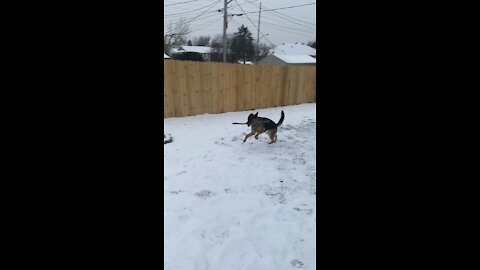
[(190, 11), (247, 15), (253, 23), (287, 18), (180, 3), (206, 16), (279, 8), (293, 18), (276, 20), (193, 20), (204, 11), (292, 21), (284, 26), (283, 14), (282, 30), (247, 2), (209, 23)]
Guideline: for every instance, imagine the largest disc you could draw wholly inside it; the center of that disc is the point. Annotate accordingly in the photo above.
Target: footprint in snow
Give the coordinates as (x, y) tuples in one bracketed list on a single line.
[(221, 143), (182, 172), (287, 127), (299, 161), (305, 210), (205, 194), (297, 263), (277, 196), (230, 191)]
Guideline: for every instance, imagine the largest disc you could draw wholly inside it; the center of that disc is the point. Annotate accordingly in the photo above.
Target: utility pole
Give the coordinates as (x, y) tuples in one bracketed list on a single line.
[(225, 32), (258, 28)]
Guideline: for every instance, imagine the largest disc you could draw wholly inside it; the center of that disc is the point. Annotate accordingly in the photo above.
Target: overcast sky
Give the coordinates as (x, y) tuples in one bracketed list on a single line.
[(287, 24)]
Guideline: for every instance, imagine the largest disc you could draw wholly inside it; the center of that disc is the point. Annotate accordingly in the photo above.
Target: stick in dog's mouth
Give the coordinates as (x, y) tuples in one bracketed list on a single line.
[(239, 123)]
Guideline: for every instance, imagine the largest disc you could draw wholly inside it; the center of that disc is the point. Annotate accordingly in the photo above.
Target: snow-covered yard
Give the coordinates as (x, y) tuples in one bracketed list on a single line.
[(233, 205)]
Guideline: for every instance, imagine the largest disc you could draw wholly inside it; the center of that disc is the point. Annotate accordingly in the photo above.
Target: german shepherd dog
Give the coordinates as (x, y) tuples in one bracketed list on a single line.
[(261, 125)]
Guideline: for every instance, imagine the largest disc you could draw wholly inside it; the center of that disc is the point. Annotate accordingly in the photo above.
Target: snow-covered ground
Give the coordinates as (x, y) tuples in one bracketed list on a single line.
[(231, 205)]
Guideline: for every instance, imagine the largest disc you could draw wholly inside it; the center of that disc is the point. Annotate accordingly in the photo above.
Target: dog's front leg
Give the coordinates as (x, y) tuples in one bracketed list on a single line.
[(248, 135)]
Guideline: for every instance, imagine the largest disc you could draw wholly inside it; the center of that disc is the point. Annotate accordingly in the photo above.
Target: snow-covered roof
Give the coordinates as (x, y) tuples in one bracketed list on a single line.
[(246, 62), (297, 58), (165, 56), (293, 48), (197, 49)]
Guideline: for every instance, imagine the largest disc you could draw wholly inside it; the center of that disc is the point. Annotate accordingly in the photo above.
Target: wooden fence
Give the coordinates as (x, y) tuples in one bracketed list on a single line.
[(192, 88)]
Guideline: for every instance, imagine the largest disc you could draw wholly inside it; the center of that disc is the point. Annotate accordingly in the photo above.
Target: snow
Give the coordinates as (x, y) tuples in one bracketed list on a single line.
[(197, 49), (293, 48), (246, 62), (175, 50), (296, 59), (235, 205), (165, 56)]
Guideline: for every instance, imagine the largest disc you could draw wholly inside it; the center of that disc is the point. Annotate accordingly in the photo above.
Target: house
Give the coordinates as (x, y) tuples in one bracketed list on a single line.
[(165, 56), (288, 59), (294, 48), (203, 50)]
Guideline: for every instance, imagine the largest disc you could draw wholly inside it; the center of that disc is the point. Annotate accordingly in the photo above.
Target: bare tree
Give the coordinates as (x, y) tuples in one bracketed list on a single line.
[(217, 48), (216, 42), (201, 41), (263, 50), (177, 32)]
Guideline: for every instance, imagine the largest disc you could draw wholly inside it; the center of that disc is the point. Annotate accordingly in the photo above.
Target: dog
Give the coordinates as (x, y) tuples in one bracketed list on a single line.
[(261, 125)]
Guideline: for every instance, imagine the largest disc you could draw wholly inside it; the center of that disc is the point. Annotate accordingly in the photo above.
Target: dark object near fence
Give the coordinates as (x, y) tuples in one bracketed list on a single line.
[(168, 139)]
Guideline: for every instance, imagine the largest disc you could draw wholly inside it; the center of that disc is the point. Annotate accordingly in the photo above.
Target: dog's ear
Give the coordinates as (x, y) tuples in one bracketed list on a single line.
[(256, 114)]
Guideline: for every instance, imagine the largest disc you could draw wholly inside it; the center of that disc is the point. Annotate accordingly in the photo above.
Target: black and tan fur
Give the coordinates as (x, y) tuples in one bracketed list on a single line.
[(261, 125)]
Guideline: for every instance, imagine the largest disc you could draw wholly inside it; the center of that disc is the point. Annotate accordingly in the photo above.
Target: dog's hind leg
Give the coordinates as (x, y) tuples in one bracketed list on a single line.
[(248, 135), (272, 134)]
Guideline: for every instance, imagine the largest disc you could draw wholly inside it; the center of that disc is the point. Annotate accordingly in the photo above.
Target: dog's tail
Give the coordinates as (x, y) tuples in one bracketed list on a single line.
[(281, 119)]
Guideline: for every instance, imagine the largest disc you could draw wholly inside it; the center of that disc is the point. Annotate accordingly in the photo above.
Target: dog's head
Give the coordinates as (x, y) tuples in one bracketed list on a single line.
[(251, 117)]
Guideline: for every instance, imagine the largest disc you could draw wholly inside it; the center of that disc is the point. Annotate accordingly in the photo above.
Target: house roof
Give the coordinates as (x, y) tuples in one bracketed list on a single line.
[(296, 58), (165, 56), (293, 48), (197, 49)]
